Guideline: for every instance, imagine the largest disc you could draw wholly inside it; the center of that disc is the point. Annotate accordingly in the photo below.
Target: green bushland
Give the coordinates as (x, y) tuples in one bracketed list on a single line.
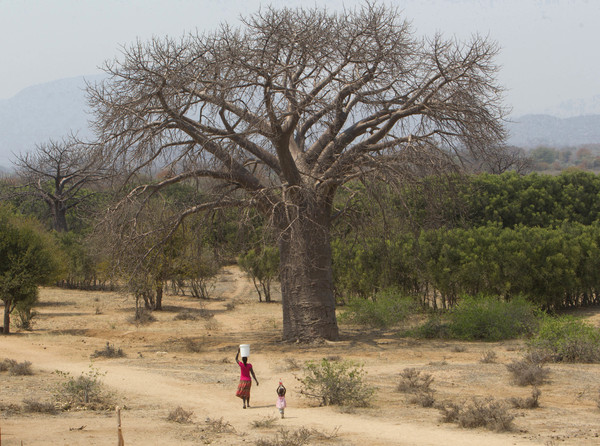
[(482, 318), (336, 383), (491, 319), (386, 309), (505, 235), (567, 339)]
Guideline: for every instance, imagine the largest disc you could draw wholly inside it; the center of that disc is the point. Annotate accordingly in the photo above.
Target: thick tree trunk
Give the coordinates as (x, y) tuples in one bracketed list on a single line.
[(159, 296), (59, 216), (6, 329), (307, 280)]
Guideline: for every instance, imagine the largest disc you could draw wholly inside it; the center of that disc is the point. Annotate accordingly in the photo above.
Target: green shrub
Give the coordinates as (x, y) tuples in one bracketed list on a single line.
[(434, 328), (567, 339), (386, 309), (491, 319), (336, 383)]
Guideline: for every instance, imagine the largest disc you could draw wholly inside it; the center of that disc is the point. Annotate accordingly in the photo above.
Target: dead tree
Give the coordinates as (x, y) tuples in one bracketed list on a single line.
[(282, 112), (60, 174)]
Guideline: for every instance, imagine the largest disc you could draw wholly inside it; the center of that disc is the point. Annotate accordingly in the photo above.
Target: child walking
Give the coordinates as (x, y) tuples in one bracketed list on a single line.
[(281, 398)]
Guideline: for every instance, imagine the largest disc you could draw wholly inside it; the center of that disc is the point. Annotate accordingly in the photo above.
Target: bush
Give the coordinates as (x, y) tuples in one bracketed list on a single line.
[(529, 371), (479, 412), (284, 437), (418, 386), (531, 402), (387, 308), (491, 319), (16, 368), (109, 351), (265, 423), (85, 391), (434, 328), (142, 316), (567, 339), (298, 437), (412, 381), (180, 415), (36, 406), (485, 412), (336, 383)]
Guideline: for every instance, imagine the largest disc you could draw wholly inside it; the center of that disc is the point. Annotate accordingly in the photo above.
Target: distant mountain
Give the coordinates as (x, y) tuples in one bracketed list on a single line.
[(53, 110), (43, 112), (531, 131)]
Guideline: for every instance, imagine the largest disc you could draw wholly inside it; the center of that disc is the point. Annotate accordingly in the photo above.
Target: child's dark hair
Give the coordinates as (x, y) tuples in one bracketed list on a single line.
[(281, 389)]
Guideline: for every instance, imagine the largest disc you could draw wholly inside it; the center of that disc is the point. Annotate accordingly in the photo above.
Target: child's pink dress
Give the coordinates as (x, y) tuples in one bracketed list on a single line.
[(280, 402)]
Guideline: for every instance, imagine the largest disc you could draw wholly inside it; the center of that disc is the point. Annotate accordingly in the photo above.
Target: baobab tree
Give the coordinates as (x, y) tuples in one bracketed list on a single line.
[(285, 110), (60, 173)]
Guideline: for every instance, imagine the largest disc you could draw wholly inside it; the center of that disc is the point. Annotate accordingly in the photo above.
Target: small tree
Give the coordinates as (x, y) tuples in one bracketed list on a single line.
[(262, 265), (27, 259)]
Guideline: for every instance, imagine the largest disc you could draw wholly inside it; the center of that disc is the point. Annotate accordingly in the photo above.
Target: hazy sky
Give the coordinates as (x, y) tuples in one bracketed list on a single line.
[(550, 48)]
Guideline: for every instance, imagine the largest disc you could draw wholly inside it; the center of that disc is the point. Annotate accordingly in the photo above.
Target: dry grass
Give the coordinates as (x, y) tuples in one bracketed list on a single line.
[(478, 412), (529, 371), (180, 415), (531, 402)]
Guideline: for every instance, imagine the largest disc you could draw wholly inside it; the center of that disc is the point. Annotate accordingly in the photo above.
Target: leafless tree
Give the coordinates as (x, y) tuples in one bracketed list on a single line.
[(286, 109), (58, 172)]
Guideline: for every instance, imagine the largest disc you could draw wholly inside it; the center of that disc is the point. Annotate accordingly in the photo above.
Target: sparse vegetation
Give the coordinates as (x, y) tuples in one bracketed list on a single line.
[(16, 368), (529, 371), (478, 412), (336, 383), (418, 386), (265, 423), (292, 364), (83, 392), (109, 351), (531, 402), (386, 309), (142, 316), (297, 437), (219, 426), (412, 381), (567, 339), (35, 406), (192, 345), (488, 357), (180, 415)]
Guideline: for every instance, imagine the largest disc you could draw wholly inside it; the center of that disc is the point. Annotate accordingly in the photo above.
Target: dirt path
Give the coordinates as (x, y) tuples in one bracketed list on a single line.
[(158, 376), (206, 400)]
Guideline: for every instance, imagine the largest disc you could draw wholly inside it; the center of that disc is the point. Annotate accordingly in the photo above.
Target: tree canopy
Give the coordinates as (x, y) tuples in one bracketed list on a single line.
[(28, 258), (281, 112)]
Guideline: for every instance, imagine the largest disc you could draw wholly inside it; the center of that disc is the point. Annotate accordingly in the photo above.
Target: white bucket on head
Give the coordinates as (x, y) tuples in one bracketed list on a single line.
[(245, 350)]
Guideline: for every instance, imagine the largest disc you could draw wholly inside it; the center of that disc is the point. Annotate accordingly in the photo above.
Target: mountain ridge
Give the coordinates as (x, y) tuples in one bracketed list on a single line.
[(55, 109)]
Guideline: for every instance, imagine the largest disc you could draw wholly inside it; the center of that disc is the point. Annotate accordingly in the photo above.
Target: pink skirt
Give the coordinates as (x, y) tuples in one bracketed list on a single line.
[(280, 402)]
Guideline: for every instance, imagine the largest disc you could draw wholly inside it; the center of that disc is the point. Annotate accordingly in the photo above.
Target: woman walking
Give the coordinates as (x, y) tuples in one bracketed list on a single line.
[(243, 390)]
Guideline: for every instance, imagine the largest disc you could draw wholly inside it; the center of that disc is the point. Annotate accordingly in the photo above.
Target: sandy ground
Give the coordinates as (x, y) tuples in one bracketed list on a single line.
[(190, 364)]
